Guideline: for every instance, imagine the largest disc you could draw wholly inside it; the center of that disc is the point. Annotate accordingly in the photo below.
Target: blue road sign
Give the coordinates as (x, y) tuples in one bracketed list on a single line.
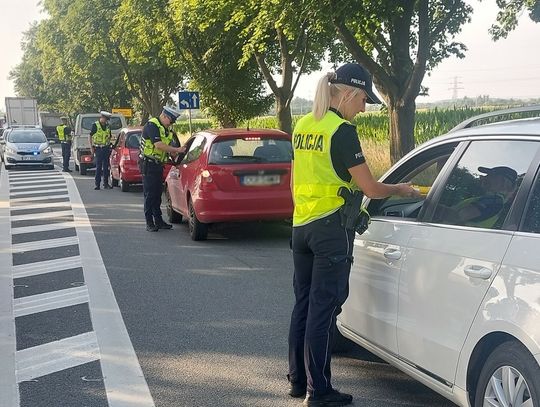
[(188, 100)]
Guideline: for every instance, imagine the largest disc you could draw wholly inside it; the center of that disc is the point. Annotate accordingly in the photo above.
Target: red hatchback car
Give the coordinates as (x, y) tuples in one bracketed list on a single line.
[(124, 158), (231, 175)]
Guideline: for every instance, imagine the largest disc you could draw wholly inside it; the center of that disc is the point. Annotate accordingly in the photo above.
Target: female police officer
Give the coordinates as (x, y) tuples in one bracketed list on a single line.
[(327, 157)]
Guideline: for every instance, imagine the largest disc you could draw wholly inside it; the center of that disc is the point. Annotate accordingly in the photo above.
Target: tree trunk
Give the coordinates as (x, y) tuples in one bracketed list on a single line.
[(402, 119), (283, 111)]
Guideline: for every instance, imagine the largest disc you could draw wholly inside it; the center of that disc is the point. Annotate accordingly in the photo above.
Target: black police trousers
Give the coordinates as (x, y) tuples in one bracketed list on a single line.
[(66, 154), (102, 164), (322, 254), (152, 173)]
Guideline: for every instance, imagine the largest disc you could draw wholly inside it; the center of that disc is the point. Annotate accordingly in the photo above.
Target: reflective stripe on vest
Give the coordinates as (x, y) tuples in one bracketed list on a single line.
[(166, 137), (315, 181), (102, 136), (60, 130)]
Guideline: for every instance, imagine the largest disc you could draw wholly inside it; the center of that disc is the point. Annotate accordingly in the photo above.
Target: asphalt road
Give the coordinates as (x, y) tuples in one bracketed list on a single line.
[(209, 320)]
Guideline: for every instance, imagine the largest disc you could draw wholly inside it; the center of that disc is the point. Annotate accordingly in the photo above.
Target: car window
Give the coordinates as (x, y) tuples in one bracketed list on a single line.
[(421, 171), (531, 222), (250, 150), (195, 149), (133, 140), (114, 123), (484, 183), (35, 136)]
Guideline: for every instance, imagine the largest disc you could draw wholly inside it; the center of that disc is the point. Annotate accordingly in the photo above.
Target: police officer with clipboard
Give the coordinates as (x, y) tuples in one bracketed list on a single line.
[(155, 150), (63, 132), (328, 171)]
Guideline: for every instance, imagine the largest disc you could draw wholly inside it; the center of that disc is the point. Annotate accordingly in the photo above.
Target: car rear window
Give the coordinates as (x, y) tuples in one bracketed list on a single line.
[(133, 140), (250, 150), (34, 136), (115, 123)]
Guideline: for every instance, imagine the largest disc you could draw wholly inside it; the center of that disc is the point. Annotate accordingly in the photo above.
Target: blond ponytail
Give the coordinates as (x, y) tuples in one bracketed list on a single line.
[(321, 104)]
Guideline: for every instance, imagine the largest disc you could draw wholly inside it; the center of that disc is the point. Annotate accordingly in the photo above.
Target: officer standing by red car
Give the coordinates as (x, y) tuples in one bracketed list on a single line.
[(100, 140), (155, 150)]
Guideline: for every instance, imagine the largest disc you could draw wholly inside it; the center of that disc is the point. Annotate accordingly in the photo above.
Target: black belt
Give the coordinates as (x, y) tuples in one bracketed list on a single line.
[(151, 160), (100, 146)]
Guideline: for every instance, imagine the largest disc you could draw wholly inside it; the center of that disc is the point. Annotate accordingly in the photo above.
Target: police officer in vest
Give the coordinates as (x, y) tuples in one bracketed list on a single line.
[(63, 132), (100, 140), (155, 147), (327, 157)]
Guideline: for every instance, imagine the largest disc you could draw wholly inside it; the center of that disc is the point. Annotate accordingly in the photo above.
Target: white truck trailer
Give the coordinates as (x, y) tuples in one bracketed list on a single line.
[(21, 112)]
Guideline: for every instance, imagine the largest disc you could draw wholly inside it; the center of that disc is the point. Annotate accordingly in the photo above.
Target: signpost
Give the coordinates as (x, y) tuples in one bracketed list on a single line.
[(125, 111), (188, 100)]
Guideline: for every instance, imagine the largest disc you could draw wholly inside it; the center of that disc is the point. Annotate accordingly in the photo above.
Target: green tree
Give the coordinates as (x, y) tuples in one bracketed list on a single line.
[(210, 53), (398, 41), (285, 40), (510, 11)]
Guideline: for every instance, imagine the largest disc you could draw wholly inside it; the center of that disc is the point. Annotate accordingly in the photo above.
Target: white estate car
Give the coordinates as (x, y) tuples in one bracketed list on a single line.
[(447, 287)]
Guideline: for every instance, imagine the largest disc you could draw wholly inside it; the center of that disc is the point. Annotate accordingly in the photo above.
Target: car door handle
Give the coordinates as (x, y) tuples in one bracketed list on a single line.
[(475, 271), (392, 254)]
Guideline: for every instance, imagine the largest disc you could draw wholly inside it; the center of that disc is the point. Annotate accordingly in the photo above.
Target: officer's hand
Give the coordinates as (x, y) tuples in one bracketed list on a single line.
[(407, 190)]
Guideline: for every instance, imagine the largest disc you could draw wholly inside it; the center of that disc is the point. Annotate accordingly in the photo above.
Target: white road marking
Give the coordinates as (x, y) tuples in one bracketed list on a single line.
[(39, 191), (48, 266), (42, 228), (9, 391), (42, 215), (44, 244), (123, 377), (55, 356), (44, 205), (33, 198), (33, 304)]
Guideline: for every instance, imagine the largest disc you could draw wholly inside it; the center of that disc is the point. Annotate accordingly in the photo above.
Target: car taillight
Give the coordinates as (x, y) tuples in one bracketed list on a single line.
[(206, 180), (125, 154), (86, 158)]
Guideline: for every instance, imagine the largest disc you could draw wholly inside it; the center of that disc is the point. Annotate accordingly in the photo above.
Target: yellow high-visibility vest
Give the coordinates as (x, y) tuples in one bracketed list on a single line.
[(102, 136), (166, 137), (60, 130), (315, 182)]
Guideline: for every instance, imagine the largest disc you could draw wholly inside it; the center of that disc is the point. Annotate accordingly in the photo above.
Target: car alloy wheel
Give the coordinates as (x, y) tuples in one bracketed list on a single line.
[(510, 377), (507, 387)]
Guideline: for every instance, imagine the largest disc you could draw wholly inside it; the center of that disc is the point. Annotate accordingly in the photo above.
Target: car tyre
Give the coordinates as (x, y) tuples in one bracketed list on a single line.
[(197, 230), (509, 369), (174, 217), (112, 181), (82, 169), (124, 185)]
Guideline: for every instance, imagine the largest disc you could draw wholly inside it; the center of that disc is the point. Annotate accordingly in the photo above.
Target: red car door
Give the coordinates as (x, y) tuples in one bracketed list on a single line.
[(189, 171), (114, 159)]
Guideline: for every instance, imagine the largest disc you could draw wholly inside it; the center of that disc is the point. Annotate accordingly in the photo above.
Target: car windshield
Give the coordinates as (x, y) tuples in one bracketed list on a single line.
[(115, 123), (32, 136), (250, 150)]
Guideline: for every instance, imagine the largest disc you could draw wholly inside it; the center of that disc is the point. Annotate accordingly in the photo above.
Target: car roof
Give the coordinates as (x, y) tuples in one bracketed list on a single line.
[(243, 132), (131, 129)]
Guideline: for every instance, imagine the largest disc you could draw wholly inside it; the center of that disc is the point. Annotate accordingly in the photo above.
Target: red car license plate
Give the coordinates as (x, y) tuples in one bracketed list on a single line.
[(258, 180)]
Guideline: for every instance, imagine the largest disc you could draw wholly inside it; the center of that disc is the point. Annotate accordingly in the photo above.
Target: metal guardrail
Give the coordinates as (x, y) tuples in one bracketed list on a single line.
[(468, 123)]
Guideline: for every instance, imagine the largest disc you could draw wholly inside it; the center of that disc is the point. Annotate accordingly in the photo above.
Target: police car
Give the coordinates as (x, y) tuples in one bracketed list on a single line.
[(26, 146), (446, 287)]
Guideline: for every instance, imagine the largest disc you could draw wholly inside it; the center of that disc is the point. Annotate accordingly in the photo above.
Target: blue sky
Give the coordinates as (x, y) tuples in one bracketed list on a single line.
[(507, 68)]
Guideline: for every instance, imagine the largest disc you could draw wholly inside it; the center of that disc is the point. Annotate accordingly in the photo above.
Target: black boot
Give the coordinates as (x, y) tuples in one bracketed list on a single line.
[(151, 227), (332, 399), (106, 186), (97, 188), (160, 224), (296, 389)]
